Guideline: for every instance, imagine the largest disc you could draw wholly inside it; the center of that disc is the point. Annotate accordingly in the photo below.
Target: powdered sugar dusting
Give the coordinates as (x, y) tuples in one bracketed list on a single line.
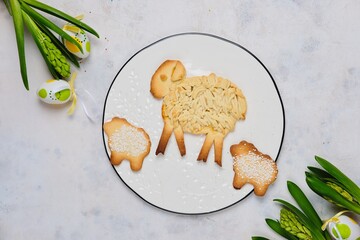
[(255, 167), (128, 139)]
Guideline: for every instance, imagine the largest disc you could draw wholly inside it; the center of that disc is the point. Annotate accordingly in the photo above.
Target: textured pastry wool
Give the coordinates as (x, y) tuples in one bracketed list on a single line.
[(255, 167), (207, 102), (128, 139)]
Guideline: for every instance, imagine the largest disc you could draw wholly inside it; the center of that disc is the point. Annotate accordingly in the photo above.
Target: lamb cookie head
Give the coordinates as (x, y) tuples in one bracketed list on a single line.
[(253, 167), (168, 72)]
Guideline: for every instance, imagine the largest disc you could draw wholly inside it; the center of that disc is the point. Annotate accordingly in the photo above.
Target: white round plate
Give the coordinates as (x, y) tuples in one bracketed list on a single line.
[(183, 184)]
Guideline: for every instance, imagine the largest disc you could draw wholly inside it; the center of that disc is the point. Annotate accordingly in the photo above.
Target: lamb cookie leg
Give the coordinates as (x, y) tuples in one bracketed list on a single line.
[(238, 181), (165, 135), (203, 155), (179, 135), (218, 142)]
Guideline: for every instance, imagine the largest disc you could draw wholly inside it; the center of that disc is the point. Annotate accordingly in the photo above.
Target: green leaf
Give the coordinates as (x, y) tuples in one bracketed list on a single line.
[(315, 231), (306, 206), (323, 190), (35, 34), (319, 172), (349, 185), (44, 21), (259, 238), (7, 4), (275, 225), (323, 176), (59, 45), (55, 12), (19, 32)]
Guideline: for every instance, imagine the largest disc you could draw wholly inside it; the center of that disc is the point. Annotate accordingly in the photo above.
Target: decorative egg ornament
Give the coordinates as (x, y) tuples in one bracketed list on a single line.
[(342, 227), (55, 92), (80, 36), (58, 92)]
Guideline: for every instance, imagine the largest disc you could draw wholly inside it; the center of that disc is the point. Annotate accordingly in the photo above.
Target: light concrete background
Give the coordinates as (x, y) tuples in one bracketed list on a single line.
[(55, 178)]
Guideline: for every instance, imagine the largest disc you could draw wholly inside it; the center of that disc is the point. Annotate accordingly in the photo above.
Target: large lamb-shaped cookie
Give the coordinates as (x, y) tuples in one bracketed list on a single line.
[(209, 105)]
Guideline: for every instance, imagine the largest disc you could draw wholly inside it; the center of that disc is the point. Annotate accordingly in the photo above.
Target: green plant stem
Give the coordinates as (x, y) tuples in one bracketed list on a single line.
[(7, 4), (19, 32)]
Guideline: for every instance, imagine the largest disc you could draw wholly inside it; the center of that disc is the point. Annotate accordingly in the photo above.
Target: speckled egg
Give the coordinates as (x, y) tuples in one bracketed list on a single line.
[(55, 92), (81, 37), (345, 228)]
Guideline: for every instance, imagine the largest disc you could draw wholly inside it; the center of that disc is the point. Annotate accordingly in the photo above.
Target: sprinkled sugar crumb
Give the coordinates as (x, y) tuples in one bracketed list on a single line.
[(128, 139), (255, 167)]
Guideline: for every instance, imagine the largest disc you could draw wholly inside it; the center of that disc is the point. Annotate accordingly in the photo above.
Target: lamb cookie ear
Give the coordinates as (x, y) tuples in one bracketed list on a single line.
[(179, 72)]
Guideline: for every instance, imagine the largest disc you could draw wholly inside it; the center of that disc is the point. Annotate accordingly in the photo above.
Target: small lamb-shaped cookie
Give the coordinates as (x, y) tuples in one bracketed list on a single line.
[(252, 166), (127, 142)]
